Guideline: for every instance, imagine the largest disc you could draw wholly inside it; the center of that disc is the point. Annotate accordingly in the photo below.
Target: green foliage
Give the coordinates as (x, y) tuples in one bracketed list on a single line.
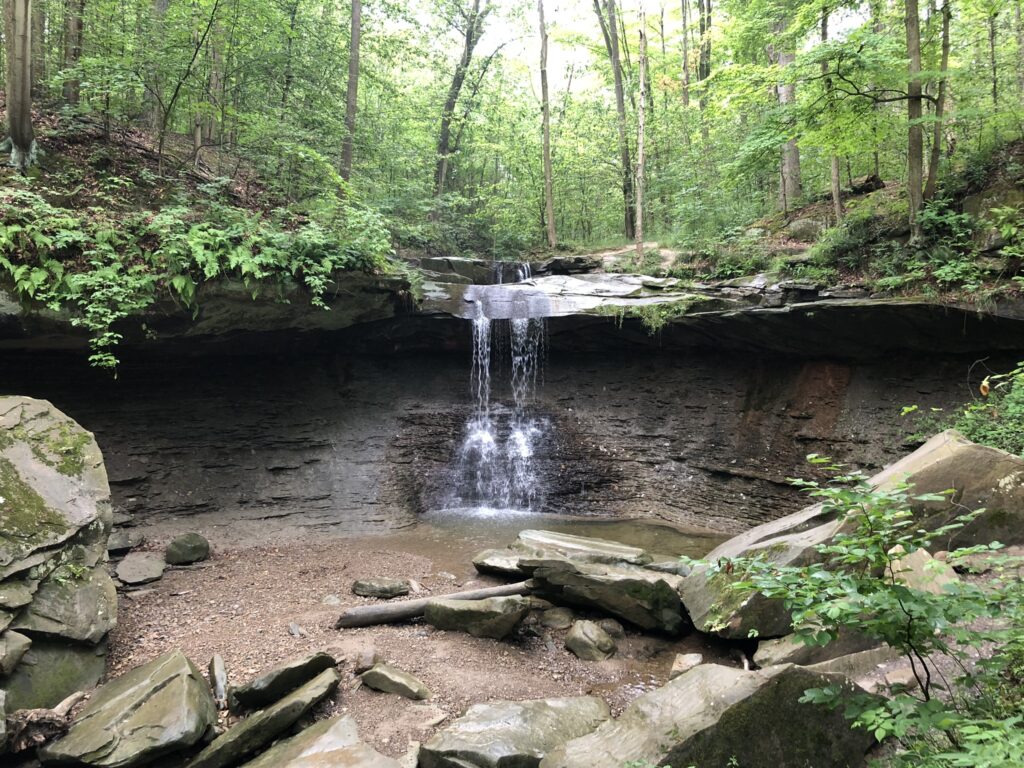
[(997, 419), (973, 720), (103, 265)]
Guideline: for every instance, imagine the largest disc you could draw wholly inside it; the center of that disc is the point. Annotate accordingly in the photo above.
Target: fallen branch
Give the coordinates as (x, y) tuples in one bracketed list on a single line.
[(28, 728), (389, 613)]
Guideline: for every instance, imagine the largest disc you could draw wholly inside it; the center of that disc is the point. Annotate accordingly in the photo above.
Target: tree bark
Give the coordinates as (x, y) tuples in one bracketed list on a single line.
[(641, 141), (18, 36), (686, 52), (352, 90), (915, 133), (549, 196), (992, 57), (704, 61), (73, 12), (931, 185), (790, 185), (474, 21), (836, 172), (609, 30), (389, 613), (38, 49), (1018, 23)]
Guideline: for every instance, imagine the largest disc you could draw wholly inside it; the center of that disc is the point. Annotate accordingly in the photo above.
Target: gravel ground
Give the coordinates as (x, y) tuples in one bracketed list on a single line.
[(241, 602)]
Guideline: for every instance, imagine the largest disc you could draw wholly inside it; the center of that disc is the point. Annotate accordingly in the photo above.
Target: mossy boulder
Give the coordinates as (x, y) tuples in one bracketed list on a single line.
[(715, 716), (71, 604), (52, 670)]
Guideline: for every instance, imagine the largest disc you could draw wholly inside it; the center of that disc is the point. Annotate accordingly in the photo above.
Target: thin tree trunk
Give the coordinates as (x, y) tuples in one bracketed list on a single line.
[(18, 35), (790, 187), (836, 172), (940, 104), (352, 90), (549, 198), (640, 141), (474, 26), (915, 133), (704, 61), (1018, 23), (38, 49), (686, 52), (992, 58), (73, 11), (289, 74), (609, 29)]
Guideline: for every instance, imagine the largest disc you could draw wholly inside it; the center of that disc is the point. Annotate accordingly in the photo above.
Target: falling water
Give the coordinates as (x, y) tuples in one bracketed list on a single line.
[(495, 467)]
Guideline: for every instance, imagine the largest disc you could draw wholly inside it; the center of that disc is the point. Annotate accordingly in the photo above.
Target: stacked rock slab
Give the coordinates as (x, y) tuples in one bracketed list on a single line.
[(981, 477), (159, 708), (536, 544), (715, 716), (275, 684), (55, 518), (327, 744), (512, 733)]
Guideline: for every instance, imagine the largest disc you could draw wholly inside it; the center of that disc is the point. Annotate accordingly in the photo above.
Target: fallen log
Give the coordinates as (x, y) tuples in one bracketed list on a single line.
[(29, 728), (389, 613)]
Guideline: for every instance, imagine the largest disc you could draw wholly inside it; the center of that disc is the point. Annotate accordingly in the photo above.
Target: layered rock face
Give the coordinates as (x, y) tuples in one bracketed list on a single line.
[(57, 601), (367, 443)]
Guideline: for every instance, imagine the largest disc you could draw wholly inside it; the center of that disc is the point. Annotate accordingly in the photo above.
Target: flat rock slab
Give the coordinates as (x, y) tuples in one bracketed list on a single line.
[(589, 642), (683, 663), (494, 617), (282, 680), (389, 679), (52, 670), (15, 594), (122, 540), (716, 716), (154, 710), (790, 650), (647, 599), (582, 548), (262, 727), (186, 549), (513, 734), (80, 607), (328, 744), (383, 589), (141, 567)]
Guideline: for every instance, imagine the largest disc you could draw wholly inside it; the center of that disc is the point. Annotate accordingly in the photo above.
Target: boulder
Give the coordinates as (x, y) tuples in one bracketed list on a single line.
[(389, 679), (612, 627), (920, 571), (982, 477), (582, 548), (716, 716), (261, 728), (122, 540), (13, 646), (186, 549), (589, 642), (683, 663), (141, 568), (804, 230), (512, 734), (156, 709), (790, 650), (495, 617), (327, 744), (383, 589), (76, 606), (644, 598), (273, 685), (500, 562), (50, 671), (557, 618), (859, 665)]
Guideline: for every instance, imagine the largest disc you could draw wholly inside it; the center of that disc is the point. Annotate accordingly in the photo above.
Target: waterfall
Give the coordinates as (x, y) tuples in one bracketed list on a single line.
[(495, 468)]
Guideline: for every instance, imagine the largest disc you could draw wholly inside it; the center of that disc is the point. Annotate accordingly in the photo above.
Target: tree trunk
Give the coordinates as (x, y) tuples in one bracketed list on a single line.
[(836, 173), (474, 27), (609, 29), (704, 61), (790, 186), (549, 197), (940, 105), (38, 49), (352, 90), (641, 141), (289, 74), (686, 53), (992, 57), (1018, 23), (73, 11), (18, 36), (915, 133)]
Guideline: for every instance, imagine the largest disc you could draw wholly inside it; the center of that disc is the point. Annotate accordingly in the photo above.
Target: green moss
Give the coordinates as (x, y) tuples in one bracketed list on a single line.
[(23, 512), (62, 446), (654, 316)]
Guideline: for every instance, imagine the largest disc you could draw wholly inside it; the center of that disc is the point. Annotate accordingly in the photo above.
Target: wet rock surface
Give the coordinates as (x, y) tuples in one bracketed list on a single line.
[(512, 733), (156, 709)]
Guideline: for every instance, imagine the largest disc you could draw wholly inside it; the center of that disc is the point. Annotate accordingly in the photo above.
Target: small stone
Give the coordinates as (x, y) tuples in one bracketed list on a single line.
[(557, 618), (122, 541), (141, 568), (187, 548), (389, 679), (331, 600), (279, 681), (365, 659), (589, 642), (219, 681), (296, 631), (383, 589), (683, 663), (613, 628)]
